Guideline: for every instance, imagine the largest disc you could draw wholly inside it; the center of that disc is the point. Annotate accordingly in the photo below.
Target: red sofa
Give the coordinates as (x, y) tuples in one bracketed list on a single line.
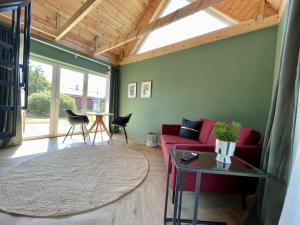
[(247, 148)]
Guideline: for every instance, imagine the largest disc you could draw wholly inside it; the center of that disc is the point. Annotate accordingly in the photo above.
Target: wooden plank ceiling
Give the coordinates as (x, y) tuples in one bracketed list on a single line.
[(87, 25)]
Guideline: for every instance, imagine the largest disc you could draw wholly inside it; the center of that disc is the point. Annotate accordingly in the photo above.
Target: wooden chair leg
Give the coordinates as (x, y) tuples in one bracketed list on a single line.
[(86, 131), (125, 135), (72, 131), (67, 134), (111, 134), (82, 131)]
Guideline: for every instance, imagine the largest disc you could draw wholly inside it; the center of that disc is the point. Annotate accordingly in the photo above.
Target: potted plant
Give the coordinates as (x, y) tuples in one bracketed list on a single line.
[(226, 136)]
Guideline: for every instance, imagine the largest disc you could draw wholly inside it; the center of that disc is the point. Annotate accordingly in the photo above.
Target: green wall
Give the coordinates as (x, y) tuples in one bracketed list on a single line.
[(44, 50), (226, 80)]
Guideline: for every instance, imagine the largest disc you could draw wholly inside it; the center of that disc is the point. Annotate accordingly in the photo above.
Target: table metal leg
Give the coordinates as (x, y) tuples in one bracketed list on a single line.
[(197, 192), (176, 219), (176, 197), (180, 197), (167, 190)]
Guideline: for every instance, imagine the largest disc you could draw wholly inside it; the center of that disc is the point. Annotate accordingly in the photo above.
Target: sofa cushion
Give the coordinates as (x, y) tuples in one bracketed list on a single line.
[(165, 148), (248, 136), (211, 139), (205, 131), (173, 139), (189, 129)]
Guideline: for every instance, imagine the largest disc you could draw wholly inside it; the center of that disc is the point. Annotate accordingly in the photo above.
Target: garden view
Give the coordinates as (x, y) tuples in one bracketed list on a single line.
[(36, 119)]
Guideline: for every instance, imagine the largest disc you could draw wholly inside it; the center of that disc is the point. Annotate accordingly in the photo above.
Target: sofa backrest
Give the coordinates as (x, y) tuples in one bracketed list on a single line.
[(247, 136), (206, 130)]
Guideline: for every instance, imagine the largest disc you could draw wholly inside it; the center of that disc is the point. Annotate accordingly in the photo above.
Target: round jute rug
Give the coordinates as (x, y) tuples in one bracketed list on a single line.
[(71, 181)]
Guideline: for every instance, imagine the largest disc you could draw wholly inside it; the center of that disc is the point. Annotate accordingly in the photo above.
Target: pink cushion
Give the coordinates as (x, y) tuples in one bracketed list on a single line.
[(248, 136), (173, 139), (205, 131)]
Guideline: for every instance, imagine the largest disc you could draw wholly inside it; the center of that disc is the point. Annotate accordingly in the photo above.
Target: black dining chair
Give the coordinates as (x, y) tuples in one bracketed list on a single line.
[(120, 122), (75, 120)]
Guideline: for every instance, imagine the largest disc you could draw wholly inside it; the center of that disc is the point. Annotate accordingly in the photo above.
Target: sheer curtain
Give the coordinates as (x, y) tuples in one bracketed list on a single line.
[(290, 214), (278, 153)]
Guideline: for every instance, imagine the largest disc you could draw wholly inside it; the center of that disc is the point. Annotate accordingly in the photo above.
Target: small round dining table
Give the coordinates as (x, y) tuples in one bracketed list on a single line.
[(99, 124)]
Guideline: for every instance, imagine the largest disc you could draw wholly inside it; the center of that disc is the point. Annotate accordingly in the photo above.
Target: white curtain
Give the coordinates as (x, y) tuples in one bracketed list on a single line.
[(290, 214)]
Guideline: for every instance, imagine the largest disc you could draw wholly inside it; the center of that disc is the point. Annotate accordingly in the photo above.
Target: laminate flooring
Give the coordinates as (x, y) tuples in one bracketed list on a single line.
[(143, 206)]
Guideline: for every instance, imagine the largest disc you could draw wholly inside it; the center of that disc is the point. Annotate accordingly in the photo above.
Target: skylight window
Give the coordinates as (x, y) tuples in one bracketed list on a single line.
[(191, 26)]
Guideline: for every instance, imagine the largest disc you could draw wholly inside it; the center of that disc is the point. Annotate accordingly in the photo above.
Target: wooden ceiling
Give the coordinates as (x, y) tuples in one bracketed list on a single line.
[(242, 10), (103, 26)]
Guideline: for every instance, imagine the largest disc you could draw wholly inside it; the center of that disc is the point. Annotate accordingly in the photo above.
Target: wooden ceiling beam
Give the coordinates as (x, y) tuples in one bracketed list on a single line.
[(161, 22), (152, 13), (220, 13), (79, 15), (275, 4), (282, 7), (36, 27), (260, 11)]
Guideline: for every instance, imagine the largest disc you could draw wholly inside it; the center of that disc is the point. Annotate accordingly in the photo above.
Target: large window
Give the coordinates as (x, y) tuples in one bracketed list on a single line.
[(71, 96), (53, 88), (199, 23), (96, 95)]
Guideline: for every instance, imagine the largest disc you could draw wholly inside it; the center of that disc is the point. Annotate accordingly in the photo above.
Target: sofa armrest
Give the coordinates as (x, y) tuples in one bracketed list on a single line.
[(248, 153), (170, 129)]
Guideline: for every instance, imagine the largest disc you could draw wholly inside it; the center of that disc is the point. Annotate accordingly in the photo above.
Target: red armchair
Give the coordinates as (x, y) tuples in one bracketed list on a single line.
[(247, 148)]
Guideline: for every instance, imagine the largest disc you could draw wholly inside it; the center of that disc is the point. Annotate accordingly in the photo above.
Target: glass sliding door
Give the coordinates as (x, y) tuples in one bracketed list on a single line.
[(71, 96), (36, 119), (54, 88), (96, 93)]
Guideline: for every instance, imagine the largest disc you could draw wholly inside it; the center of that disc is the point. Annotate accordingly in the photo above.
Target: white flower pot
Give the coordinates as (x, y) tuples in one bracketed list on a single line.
[(222, 166), (224, 151)]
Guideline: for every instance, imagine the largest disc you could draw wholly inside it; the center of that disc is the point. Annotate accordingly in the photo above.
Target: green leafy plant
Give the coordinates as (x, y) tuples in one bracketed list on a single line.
[(66, 102), (227, 131), (37, 81), (39, 104)]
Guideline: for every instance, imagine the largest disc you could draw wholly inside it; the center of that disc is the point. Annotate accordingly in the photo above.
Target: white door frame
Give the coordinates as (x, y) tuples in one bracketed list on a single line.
[(55, 94)]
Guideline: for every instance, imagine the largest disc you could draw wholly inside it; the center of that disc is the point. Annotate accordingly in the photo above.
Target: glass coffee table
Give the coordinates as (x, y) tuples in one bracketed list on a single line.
[(205, 163)]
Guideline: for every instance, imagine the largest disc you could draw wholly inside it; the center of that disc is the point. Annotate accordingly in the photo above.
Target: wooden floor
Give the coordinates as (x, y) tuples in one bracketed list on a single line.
[(144, 206)]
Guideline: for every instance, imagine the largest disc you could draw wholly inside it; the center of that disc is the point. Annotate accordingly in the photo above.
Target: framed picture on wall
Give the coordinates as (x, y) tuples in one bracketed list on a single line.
[(132, 90), (146, 89)]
